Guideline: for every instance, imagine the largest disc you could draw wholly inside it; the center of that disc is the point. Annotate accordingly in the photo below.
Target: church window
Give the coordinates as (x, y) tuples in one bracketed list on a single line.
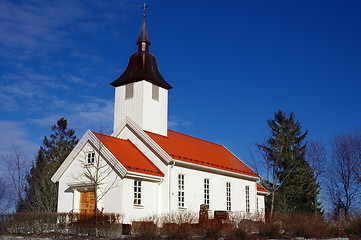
[(129, 90), (181, 190), (247, 199), (137, 192), (206, 191), (228, 196), (91, 157), (155, 92)]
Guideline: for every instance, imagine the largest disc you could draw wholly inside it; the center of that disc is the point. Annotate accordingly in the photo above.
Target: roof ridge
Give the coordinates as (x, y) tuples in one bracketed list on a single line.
[(109, 136), (137, 149), (129, 165), (197, 138)]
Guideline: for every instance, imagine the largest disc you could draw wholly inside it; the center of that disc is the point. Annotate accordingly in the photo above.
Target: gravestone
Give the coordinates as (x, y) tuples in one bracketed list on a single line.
[(203, 213)]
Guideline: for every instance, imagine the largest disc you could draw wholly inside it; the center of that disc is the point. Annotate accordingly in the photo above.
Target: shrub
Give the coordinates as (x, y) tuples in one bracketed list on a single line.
[(103, 224), (270, 227), (182, 225), (145, 230), (40, 222), (28, 223), (177, 231), (211, 229), (304, 225), (178, 225), (180, 217), (353, 225)]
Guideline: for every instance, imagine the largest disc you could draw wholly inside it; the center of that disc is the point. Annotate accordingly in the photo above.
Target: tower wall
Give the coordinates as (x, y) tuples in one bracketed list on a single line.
[(151, 115), (155, 112), (131, 108)]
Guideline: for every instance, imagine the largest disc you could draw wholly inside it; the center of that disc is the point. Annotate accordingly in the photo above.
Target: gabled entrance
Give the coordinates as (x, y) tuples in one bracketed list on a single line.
[(87, 203)]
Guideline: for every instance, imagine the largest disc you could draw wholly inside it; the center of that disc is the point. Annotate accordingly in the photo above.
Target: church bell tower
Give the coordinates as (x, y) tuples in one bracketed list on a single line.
[(141, 93)]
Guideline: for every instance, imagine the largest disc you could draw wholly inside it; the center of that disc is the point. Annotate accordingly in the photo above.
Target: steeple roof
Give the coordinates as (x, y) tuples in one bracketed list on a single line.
[(142, 64), (143, 35)]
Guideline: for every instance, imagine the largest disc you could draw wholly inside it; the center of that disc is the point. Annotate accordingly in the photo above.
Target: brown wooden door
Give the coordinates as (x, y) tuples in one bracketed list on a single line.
[(87, 203)]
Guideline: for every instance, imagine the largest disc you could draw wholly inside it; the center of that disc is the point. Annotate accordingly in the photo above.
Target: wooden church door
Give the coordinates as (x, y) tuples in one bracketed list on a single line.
[(87, 202)]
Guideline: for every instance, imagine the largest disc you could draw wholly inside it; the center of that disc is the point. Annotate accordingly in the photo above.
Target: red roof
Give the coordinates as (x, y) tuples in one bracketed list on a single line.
[(198, 151), (129, 155), (260, 188)]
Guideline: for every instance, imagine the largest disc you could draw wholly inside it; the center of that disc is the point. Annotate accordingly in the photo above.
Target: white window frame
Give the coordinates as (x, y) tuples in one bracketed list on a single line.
[(257, 204), (90, 157), (228, 196), (129, 91), (247, 199), (181, 190), (206, 191), (137, 192), (155, 92)]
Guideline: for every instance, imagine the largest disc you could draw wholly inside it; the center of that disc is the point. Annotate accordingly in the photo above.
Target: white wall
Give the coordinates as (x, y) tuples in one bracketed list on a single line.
[(128, 107), (151, 115), (155, 159), (194, 190), (65, 197), (69, 198), (148, 206), (155, 113)]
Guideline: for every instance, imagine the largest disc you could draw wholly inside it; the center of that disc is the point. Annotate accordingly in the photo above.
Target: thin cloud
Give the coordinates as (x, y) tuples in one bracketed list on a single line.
[(93, 57), (48, 73), (15, 133), (78, 80), (28, 90), (40, 27), (81, 116), (37, 25), (8, 103), (178, 123)]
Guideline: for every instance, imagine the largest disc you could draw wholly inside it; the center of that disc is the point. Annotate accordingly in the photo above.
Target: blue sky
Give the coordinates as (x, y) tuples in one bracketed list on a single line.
[(232, 65)]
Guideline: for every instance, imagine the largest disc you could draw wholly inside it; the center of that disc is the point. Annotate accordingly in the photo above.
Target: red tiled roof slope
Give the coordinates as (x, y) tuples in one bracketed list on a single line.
[(194, 150), (260, 188), (129, 155)]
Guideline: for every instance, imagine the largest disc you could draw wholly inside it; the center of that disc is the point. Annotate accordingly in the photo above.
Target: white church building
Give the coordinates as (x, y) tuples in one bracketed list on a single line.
[(143, 168)]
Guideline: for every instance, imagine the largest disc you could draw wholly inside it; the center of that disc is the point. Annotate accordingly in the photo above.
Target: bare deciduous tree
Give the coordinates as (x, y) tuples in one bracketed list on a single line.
[(98, 174), (343, 184), (5, 200), (357, 153), (17, 168), (316, 157)]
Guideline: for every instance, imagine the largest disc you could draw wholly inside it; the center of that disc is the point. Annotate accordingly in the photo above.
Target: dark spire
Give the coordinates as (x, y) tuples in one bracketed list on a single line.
[(143, 39), (142, 64)]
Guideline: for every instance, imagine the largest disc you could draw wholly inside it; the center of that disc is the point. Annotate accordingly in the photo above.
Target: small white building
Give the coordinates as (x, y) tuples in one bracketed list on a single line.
[(143, 168)]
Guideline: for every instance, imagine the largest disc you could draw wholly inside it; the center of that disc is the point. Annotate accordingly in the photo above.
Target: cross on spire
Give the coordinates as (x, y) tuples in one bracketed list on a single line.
[(144, 6)]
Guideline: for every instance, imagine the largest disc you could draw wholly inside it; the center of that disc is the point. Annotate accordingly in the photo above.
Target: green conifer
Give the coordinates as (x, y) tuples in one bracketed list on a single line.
[(293, 187), (41, 194)]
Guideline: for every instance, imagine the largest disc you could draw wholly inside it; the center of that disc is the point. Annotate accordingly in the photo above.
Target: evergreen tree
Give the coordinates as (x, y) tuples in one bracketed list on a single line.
[(293, 185), (41, 193)]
